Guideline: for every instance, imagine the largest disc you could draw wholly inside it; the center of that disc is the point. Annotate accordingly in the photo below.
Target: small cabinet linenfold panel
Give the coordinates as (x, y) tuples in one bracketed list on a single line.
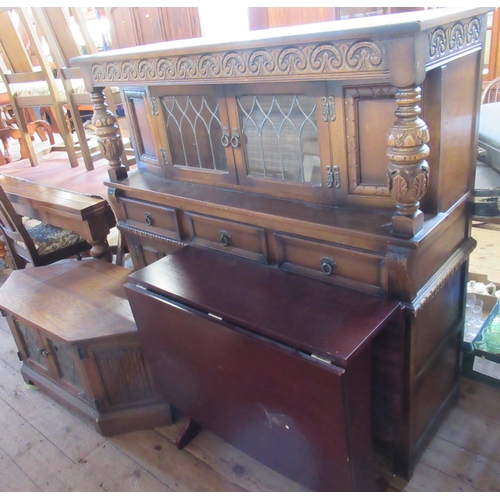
[(335, 263), (233, 237), (150, 217)]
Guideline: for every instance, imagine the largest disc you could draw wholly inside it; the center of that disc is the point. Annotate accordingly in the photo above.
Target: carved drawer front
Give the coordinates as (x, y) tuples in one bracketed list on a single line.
[(345, 266), (240, 239), (157, 219)]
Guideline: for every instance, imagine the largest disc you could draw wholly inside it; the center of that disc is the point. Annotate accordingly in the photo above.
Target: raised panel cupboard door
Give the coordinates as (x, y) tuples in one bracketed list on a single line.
[(141, 115), (364, 115)]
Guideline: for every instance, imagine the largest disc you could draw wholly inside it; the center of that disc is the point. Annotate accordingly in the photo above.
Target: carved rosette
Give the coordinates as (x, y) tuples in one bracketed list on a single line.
[(108, 135), (408, 172)]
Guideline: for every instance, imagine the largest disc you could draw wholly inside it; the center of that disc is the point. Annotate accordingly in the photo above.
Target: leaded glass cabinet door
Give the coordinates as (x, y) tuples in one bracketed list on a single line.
[(196, 134), (279, 135)]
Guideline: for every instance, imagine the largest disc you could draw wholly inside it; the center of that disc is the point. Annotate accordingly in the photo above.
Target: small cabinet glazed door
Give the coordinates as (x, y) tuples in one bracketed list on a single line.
[(280, 138), (195, 134)]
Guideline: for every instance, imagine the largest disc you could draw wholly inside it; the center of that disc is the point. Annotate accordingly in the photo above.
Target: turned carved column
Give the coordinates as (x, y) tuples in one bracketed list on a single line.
[(408, 172), (108, 135)]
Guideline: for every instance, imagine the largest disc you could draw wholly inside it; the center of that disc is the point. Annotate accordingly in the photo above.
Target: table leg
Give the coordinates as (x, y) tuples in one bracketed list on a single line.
[(3, 251), (100, 250)]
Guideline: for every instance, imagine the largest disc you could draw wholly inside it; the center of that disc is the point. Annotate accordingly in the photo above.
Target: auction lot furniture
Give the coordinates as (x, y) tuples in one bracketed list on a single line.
[(291, 392), (78, 343), (89, 216), (343, 152)]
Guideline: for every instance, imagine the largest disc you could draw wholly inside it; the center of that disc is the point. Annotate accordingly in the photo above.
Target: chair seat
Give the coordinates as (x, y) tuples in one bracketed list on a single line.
[(38, 89), (41, 89), (48, 238)]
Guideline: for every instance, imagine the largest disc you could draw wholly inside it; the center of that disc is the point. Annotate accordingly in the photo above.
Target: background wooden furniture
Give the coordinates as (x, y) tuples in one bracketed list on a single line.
[(370, 206), (493, 63), (131, 26), (10, 130), (78, 342), (491, 92), (89, 216), (32, 86), (260, 371), (38, 245), (274, 17), (54, 25)]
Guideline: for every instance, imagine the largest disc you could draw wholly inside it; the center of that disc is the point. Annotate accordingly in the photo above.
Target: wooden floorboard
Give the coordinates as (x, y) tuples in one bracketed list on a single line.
[(44, 447)]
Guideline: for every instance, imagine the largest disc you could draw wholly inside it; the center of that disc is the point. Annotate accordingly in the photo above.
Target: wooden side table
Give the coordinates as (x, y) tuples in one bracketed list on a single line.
[(277, 364), (78, 343)]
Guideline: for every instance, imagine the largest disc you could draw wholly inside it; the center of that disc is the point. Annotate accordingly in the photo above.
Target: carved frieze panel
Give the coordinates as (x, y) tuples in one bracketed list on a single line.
[(150, 235), (353, 96), (400, 281), (453, 38), (310, 60)]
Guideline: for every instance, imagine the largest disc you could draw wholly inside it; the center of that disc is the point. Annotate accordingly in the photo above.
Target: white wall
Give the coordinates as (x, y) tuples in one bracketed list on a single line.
[(223, 20)]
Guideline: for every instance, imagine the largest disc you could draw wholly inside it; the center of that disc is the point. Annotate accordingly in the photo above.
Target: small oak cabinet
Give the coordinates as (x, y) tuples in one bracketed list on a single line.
[(342, 151), (78, 342)]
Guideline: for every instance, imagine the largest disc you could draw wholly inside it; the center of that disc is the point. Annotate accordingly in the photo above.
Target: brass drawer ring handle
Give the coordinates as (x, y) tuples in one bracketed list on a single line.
[(148, 218), (225, 238), (328, 265)]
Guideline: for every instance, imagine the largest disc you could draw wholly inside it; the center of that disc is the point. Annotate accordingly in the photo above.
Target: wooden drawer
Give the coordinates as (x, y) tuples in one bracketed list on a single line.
[(158, 219), (240, 239), (341, 265)]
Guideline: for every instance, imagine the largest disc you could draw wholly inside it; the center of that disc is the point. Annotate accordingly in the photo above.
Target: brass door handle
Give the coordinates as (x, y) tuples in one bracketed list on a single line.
[(235, 139), (225, 137)]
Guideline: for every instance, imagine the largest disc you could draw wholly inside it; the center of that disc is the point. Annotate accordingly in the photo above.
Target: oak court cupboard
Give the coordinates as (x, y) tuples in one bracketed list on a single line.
[(341, 152)]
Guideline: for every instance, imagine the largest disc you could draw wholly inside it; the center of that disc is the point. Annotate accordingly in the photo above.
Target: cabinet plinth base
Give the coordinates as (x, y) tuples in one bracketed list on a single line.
[(106, 423), (90, 358)]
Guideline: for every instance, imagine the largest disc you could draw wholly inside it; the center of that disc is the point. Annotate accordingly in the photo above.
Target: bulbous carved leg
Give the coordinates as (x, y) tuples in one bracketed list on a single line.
[(100, 250), (108, 135), (408, 172)]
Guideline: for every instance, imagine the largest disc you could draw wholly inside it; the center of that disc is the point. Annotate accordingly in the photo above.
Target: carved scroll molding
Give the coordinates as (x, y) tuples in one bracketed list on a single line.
[(108, 135), (451, 39), (399, 278), (408, 172), (352, 95), (360, 56), (151, 236)]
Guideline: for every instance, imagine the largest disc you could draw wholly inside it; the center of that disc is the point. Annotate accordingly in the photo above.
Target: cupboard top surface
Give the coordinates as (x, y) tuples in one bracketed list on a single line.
[(386, 26), (366, 47), (273, 303), (91, 285)]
